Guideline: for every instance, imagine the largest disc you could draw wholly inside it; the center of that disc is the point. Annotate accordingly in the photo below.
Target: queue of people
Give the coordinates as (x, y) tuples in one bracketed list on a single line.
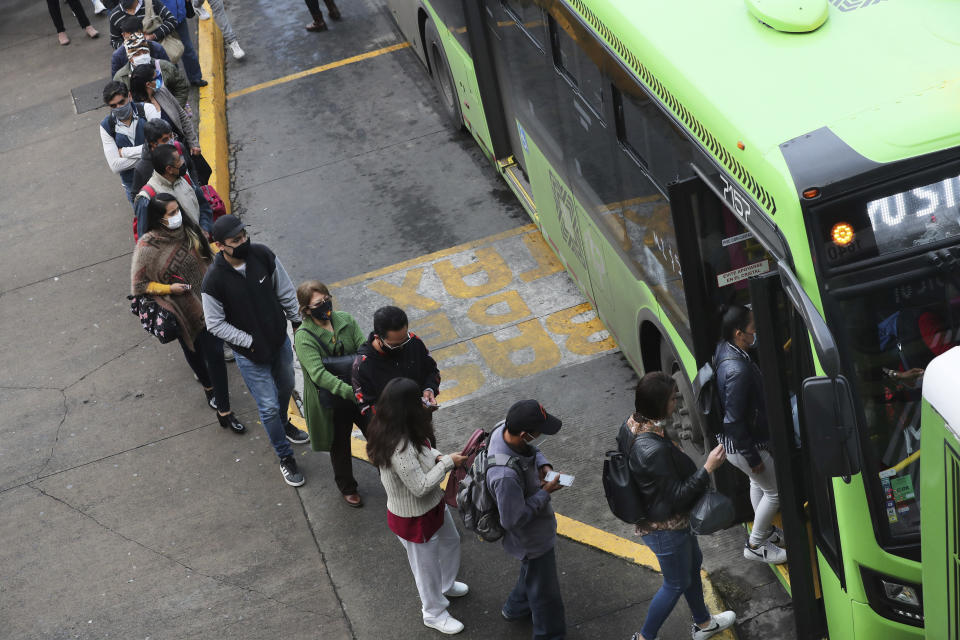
[(233, 299)]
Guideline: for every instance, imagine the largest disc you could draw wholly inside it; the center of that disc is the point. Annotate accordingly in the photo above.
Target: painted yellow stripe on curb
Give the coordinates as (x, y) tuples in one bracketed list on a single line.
[(436, 255), (213, 108), (320, 69)]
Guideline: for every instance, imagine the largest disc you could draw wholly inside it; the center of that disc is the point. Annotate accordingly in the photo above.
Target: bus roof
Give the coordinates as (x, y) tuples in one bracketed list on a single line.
[(881, 74), (940, 387)]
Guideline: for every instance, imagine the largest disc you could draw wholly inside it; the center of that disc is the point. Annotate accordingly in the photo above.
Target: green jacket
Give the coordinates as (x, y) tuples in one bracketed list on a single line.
[(347, 332)]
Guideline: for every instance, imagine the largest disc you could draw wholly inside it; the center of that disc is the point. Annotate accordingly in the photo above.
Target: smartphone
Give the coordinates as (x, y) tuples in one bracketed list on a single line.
[(565, 480), (890, 373)]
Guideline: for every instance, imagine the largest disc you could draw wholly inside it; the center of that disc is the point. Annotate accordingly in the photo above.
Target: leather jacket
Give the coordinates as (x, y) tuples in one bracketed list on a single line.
[(669, 482), (740, 385)]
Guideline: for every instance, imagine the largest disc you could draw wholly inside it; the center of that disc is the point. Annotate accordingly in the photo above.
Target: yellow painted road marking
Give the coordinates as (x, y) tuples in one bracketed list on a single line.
[(316, 70)]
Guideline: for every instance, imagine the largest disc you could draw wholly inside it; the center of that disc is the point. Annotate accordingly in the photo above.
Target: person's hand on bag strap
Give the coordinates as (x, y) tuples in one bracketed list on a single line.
[(715, 459)]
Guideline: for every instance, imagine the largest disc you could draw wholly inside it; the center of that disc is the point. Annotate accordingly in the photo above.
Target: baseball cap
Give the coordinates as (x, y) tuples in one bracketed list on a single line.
[(226, 227), (530, 416)]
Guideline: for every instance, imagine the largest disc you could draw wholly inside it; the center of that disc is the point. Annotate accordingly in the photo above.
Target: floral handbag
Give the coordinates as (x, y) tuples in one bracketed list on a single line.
[(154, 319)]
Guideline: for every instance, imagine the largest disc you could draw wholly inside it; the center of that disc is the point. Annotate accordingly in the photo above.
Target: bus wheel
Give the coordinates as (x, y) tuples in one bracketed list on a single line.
[(442, 76), (687, 427)]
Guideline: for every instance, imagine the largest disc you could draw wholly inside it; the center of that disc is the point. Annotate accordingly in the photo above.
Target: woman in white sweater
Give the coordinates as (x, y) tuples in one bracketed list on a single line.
[(400, 441)]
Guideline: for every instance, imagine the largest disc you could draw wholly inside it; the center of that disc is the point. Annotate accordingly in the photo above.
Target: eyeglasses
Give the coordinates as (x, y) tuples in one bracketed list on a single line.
[(394, 347)]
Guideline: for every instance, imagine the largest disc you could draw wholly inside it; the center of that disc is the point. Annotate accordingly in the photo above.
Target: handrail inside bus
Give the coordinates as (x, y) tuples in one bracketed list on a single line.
[(823, 340)]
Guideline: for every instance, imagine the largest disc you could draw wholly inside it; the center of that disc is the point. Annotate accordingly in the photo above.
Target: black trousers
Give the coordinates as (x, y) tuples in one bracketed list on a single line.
[(207, 362), (54, 7), (314, 7), (345, 414)]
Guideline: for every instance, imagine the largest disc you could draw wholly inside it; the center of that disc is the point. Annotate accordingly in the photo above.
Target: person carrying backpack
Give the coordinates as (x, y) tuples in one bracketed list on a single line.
[(400, 443), (527, 517)]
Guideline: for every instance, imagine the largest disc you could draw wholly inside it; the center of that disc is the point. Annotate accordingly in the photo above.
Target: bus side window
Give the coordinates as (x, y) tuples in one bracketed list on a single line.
[(653, 138), (528, 17), (577, 67)]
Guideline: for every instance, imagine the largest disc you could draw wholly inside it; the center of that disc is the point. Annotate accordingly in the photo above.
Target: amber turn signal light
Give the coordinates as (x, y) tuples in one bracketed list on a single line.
[(810, 194), (842, 234)]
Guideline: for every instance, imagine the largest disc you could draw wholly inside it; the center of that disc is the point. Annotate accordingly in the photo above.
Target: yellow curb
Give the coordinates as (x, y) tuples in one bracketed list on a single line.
[(213, 108)]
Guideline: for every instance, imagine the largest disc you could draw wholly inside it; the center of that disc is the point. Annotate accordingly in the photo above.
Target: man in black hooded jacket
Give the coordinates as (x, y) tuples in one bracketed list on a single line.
[(392, 351)]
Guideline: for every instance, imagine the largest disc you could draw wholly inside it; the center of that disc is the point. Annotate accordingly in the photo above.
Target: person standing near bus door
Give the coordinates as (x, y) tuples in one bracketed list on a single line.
[(745, 435)]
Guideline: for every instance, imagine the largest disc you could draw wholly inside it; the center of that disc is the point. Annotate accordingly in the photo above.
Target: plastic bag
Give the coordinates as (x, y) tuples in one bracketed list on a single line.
[(713, 512)]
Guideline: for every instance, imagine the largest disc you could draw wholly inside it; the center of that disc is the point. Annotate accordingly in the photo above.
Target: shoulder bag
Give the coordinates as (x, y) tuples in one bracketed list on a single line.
[(154, 319), (171, 42), (339, 365)]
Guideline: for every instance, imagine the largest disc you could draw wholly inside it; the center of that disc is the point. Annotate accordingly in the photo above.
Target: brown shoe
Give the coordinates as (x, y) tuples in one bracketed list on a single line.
[(332, 9), (317, 25), (353, 499)]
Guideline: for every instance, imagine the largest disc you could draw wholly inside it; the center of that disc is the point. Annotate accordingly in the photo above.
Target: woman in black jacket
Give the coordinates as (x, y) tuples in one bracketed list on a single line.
[(745, 434), (670, 485)]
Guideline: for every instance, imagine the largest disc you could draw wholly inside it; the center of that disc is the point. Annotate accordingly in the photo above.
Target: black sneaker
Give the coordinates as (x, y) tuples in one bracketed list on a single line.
[(230, 421), (294, 435), (291, 474)]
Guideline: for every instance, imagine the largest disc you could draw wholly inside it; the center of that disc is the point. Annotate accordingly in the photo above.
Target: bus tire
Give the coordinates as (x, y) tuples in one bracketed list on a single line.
[(687, 427), (442, 76)]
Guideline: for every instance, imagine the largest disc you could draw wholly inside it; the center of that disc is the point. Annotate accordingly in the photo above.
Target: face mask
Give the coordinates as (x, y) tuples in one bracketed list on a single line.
[(139, 59), (323, 310), (175, 221), (123, 113), (241, 251), (754, 343), (182, 171)]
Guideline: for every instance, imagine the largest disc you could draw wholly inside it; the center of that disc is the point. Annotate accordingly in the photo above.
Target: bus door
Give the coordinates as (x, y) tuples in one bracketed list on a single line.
[(723, 263)]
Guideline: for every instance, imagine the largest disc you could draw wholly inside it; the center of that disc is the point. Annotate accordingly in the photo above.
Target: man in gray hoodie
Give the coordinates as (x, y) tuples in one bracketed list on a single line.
[(530, 525)]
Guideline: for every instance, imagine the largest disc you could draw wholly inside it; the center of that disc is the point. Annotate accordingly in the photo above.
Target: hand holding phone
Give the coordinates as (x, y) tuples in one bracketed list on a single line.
[(565, 480)]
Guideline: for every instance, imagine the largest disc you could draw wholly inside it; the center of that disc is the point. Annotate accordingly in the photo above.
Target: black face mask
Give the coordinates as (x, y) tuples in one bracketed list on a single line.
[(241, 251), (182, 170), (323, 310)]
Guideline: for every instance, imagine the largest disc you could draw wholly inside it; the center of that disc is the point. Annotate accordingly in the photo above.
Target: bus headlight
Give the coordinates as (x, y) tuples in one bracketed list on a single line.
[(893, 598)]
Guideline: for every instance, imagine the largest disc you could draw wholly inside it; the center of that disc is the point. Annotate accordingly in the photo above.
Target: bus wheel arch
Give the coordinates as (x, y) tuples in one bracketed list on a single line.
[(650, 341), (687, 427), (440, 72)]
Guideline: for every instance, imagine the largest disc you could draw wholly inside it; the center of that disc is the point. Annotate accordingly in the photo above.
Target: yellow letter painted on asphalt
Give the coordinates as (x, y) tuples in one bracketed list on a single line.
[(498, 353), (547, 262), (435, 329), (517, 309), (465, 378), (405, 296), (579, 332), (488, 261)]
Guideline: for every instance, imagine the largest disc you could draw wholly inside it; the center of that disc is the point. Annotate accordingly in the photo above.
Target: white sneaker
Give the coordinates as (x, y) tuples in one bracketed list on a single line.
[(98, 8), (448, 625), (237, 51), (776, 536), (458, 590), (202, 13), (766, 552), (718, 623)]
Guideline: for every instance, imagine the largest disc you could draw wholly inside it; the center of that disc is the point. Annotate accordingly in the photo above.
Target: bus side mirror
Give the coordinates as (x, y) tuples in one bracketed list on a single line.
[(830, 424)]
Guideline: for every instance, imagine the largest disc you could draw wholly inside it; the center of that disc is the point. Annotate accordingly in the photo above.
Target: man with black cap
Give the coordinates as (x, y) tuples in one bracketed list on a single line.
[(247, 299), (530, 526)]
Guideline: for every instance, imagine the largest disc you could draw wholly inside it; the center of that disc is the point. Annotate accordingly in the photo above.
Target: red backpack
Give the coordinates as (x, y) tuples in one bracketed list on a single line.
[(477, 440), (213, 199)]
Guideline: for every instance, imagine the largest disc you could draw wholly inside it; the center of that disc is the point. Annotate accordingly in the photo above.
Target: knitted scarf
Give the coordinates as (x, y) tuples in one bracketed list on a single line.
[(170, 257)]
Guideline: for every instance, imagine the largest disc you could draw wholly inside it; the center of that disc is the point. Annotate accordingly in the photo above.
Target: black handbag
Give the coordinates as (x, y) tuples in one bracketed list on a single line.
[(713, 512), (154, 319), (339, 365)]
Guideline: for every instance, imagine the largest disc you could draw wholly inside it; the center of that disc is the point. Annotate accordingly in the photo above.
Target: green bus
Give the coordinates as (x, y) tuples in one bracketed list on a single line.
[(801, 156)]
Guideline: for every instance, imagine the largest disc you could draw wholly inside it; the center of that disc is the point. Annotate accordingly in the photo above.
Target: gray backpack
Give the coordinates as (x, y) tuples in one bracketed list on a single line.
[(475, 500)]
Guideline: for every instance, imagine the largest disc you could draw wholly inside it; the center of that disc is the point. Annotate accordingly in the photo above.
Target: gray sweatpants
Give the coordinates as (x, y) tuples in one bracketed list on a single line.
[(220, 17), (763, 494)]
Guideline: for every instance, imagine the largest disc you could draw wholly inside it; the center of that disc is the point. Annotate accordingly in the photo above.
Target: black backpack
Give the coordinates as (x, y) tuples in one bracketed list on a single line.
[(623, 494), (475, 500), (708, 395)]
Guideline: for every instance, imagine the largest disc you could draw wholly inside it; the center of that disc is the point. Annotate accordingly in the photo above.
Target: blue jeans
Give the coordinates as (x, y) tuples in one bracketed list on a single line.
[(271, 385), (190, 62), (537, 593), (680, 559)]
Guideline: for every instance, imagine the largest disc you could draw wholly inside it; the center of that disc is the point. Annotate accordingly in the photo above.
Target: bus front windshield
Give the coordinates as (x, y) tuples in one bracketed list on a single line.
[(891, 334)]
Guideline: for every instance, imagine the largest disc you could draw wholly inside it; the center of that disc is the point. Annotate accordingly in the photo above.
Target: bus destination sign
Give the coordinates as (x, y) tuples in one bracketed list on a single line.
[(916, 217)]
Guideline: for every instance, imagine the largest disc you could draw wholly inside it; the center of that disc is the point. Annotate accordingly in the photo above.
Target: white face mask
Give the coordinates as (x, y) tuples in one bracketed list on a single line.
[(536, 442), (175, 221), (139, 59)]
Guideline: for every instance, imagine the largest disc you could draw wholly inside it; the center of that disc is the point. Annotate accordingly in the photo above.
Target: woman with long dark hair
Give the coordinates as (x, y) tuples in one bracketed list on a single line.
[(745, 433), (400, 442), (169, 263), (670, 485)]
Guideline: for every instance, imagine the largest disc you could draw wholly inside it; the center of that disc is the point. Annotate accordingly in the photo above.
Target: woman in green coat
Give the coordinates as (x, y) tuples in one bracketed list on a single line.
[(327, 400)]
